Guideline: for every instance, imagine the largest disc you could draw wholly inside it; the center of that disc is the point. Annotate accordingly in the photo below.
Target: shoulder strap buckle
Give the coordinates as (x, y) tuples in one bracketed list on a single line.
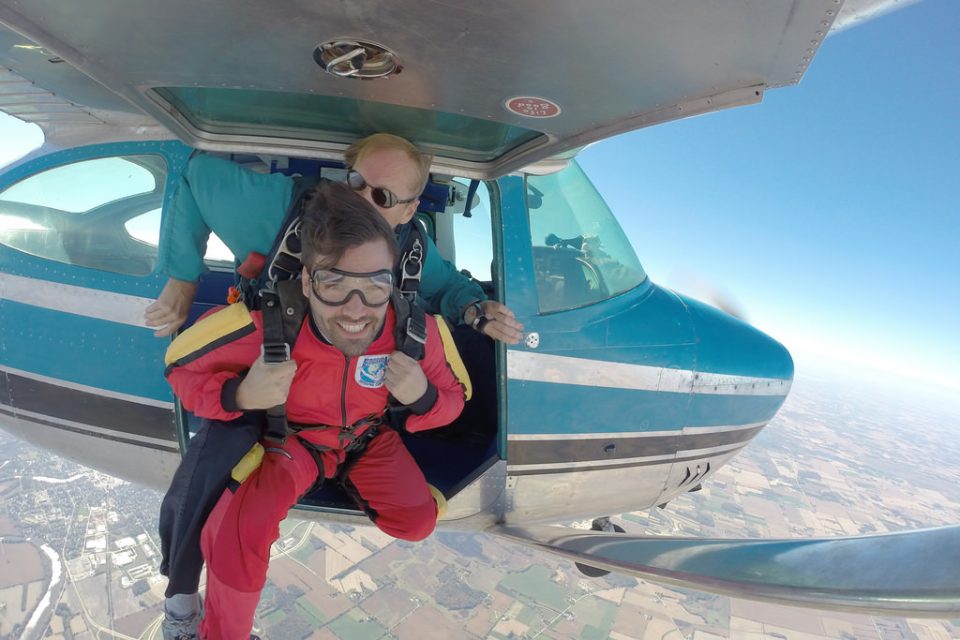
[(411, 267), (274, 353), (417, 328)]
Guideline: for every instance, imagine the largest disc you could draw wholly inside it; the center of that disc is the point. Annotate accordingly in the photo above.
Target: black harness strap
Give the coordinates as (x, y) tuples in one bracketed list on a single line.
[(283, 261), (355, 445), (410, 332), (284, 308)]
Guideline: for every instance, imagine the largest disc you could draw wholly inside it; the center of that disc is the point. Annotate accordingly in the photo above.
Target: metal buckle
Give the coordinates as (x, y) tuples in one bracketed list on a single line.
[(275, 353), (422, 339)]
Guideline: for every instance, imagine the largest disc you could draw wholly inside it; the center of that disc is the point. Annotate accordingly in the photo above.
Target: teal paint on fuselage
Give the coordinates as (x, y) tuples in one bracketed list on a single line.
[(87, 351), (573, 409), (728, 345), (520, 287), (93, 352)]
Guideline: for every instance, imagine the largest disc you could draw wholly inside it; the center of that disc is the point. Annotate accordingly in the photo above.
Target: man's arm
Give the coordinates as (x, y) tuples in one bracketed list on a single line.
[(245, 209), (207, 363), (493, 319), (428, 388), (453, 295), (445, 290)]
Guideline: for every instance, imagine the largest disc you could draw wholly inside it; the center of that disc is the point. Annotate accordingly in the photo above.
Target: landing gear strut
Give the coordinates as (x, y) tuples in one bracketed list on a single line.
[(600, 524)]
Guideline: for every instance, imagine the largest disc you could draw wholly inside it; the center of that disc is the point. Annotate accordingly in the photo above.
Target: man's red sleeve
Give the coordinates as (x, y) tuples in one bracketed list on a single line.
[(207, 362), (449, 400)]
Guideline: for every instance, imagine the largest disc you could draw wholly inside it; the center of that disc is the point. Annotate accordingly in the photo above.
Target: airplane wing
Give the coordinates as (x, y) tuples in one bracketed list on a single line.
[(38, 86), (492, 88), (913, 573)]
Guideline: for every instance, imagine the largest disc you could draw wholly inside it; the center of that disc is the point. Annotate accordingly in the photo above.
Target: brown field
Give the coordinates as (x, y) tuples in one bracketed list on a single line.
[(20, 562)]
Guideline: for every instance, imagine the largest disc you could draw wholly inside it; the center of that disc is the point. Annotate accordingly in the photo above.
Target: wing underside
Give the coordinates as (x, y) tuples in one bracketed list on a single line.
[(913, 573)]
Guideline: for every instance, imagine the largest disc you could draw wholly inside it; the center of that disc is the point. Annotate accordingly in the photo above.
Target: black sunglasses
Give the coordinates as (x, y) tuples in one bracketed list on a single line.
[(381, 197)]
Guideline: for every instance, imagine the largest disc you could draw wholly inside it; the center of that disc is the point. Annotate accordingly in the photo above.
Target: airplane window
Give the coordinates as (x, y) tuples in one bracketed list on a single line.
[(146, 228), (90, 213), (79, 187), (473, 236), (581, 254)]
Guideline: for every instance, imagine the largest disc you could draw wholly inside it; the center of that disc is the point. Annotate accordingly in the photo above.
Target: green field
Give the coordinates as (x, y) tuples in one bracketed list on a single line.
[(535, 585), (346, 626)]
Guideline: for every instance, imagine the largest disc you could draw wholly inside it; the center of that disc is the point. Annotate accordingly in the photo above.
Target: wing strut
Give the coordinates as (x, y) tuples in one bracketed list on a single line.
[(913, 573)]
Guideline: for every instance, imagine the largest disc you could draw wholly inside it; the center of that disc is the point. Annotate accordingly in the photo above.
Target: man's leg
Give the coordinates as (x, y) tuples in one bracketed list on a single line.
[(237, 537), (197, 484), (389, 486)]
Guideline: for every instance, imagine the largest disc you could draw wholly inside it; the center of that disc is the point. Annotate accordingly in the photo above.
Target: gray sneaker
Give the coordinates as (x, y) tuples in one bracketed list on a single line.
[(180, 628)]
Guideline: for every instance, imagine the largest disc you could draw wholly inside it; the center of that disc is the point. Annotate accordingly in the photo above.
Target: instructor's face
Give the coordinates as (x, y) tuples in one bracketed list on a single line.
[(390, 169), (351, 327)]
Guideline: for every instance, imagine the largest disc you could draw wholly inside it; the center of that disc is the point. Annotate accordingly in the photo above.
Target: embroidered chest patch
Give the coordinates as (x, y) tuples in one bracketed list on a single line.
[(371, 371)]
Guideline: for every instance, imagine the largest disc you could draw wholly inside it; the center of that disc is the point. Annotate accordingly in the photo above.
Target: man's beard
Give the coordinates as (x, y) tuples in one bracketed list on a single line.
[(340, 337)]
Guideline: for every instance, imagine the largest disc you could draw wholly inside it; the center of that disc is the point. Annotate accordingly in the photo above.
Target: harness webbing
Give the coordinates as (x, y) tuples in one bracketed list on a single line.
[(283, 262), (284, 309), (278, 294)]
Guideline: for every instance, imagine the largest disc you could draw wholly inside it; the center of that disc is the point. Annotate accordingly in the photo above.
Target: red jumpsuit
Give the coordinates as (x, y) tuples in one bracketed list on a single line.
[(328, 389)]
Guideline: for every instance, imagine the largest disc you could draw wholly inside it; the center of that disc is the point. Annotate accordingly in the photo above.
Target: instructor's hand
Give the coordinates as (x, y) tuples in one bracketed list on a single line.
[(500, 323), (266, 385), (405, 379), (170, 310)]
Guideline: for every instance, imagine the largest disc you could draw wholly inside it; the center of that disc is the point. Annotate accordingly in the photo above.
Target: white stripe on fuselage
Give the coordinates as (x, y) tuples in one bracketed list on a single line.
[(542, 367), (606, 435), (623, 462), (81, 301)]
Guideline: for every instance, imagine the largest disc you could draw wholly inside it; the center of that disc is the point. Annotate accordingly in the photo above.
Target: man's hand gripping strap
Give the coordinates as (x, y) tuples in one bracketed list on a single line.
[(284, 308)]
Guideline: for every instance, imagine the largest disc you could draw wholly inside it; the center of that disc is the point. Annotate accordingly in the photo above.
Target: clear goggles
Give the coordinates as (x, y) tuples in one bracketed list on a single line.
[(335, 287), (383, 198)]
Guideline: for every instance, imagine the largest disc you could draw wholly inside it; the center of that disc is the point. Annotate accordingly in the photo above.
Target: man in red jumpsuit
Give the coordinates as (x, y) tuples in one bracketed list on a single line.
[(344, 367)]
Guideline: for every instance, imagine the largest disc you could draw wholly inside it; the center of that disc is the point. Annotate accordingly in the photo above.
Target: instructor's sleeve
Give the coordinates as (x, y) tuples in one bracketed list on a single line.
[(183, 237), (244, 208), (446, 290)]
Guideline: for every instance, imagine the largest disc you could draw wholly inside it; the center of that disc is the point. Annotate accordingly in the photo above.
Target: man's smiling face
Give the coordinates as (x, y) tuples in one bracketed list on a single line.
[(351, 327)]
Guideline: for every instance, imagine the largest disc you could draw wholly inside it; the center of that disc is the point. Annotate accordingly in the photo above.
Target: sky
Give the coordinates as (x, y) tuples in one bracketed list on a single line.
[(829, 213)]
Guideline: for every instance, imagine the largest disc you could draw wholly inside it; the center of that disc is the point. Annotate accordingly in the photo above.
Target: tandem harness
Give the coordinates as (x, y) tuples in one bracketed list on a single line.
[(275, 290), (284, 308)]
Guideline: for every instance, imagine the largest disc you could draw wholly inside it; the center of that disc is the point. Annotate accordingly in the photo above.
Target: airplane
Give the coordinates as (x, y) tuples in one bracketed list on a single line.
[(623, 394)]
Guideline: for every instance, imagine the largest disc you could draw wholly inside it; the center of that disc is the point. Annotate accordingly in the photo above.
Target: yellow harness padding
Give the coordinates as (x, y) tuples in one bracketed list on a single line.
[(453, 357), (249, 463), (209, 333), (441, 501)]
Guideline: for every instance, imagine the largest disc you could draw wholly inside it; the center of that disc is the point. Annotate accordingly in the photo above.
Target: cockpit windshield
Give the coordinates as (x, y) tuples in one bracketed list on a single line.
[(581, 254)]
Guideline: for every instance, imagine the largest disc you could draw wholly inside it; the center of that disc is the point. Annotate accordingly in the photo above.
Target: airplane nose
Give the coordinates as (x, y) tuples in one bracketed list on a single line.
[(730, 351)]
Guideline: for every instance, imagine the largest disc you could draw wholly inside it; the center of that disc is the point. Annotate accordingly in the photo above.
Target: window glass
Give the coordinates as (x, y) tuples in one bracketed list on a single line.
[(102, 213), (581, 254), (473, 235), (81, 186), (146, 228), (277, 114)]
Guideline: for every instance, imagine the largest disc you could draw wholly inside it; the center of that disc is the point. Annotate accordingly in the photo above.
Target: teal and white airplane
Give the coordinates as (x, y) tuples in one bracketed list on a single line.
[(622, 395)]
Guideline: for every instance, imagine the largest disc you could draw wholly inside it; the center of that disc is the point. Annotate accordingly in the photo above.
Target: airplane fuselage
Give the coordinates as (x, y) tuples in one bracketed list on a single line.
[(615, 400)]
